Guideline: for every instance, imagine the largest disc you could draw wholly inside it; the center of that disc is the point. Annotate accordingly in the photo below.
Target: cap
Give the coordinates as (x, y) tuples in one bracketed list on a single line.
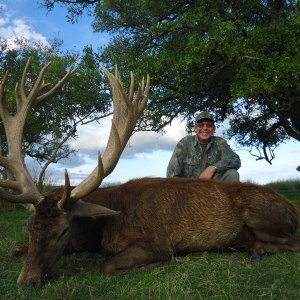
[(204, 115)]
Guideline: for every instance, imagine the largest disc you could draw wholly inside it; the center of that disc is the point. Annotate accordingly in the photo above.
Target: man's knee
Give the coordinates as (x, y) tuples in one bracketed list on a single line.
[(232, 175), (229, 175)]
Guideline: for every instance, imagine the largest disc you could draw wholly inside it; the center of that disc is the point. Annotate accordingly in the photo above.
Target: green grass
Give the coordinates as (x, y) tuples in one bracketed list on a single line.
[(289, 188), (198, 276)]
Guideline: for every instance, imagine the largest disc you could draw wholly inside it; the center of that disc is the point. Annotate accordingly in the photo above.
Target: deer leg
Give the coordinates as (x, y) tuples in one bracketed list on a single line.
[(270, 237), (269, 247), (266, 237), (249, 241), (278, 248), (275, 245), (132, 257)]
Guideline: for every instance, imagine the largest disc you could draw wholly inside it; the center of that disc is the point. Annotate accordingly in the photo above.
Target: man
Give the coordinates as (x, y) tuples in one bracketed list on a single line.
[(204, 155)]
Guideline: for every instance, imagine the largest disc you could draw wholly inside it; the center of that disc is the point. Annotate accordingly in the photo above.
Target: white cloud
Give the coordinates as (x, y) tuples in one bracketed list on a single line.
[(93, 137), (12, 28), (149, 149), (4, 21)]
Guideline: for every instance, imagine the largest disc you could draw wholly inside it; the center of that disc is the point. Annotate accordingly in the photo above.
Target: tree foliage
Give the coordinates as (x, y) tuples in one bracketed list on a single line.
[(239, 59), (82, 100)]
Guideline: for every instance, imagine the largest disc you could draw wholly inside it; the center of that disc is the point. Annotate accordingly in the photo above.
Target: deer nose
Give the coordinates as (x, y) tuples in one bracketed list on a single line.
[(31, 281)]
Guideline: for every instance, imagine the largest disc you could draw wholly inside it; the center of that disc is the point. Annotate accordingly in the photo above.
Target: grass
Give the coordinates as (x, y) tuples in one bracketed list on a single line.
[(289, 188), (197, 276)]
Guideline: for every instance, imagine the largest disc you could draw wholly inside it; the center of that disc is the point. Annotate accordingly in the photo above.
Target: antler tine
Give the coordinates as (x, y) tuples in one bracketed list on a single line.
[(117, 74), (38, 85), (22, 198), (3, 106), (14, 129), (63, 202), (55, 88), (142, 98), (90, 183), (131, 90), (24, 75), (17, 96), (126, 112), (125, 118)]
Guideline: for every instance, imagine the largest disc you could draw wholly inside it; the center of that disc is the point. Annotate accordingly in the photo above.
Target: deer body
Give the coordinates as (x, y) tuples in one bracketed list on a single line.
[(179, 216), (160, 218), (169, 214)]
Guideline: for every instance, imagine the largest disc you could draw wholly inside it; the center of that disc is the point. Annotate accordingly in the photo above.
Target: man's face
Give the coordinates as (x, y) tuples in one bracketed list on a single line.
[(204, 130)]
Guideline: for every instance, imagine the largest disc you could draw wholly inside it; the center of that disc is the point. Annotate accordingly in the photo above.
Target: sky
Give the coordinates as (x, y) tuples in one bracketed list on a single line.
[(147, 154)]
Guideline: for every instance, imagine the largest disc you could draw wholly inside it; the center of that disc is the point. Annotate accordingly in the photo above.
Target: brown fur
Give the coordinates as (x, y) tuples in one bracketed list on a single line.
[(160, 218)]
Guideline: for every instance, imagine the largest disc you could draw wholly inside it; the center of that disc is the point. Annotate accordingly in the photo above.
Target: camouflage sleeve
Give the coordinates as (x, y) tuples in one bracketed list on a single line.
[(229, 159), (175, 164)]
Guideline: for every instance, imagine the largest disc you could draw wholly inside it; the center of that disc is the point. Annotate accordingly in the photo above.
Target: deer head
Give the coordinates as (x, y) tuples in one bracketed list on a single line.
[(49, 228)]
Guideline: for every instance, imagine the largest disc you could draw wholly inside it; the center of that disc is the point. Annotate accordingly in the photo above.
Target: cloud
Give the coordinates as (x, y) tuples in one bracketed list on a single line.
[(12, 28), (143, 147), (94, 137), (146, 148)]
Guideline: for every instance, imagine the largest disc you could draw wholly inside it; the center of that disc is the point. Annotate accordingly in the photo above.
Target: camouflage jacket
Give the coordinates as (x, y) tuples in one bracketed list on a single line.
[(189, 160)]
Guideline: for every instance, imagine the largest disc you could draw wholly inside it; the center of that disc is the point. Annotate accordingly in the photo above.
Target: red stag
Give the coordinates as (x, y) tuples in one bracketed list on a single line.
[(142, 221)]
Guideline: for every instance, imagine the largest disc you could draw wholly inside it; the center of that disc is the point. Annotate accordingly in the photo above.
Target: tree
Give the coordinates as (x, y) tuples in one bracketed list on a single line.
[(84, 99), (240, 59)]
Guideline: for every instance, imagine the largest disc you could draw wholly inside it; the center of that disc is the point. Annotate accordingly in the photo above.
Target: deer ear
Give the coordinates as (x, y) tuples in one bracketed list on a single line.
[(84, 209)]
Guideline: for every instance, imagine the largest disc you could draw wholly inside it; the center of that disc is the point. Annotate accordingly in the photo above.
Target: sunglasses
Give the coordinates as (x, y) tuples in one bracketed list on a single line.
[(208, 125)]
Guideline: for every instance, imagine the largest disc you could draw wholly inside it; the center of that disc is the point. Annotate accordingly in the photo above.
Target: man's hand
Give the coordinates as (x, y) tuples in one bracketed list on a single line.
[(208, 173)]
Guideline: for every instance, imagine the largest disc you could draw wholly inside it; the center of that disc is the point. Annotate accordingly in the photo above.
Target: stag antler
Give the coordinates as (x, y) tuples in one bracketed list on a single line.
[(127, 109), (14, 129)]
